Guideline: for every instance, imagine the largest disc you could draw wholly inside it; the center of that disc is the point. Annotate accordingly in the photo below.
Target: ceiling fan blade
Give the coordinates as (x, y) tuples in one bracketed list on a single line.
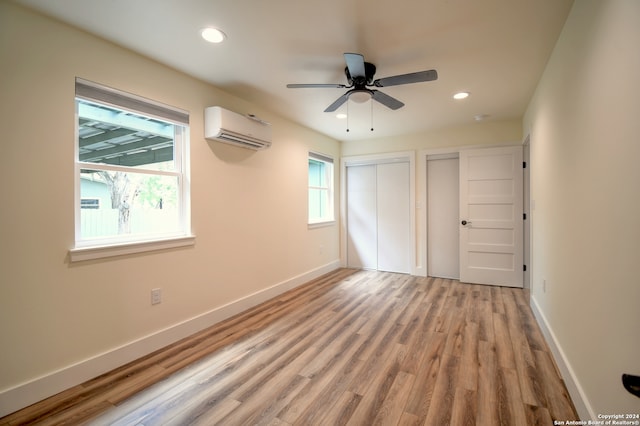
[(414, 77), (321, 86), (334, 106), (387, 100), (355, 64)]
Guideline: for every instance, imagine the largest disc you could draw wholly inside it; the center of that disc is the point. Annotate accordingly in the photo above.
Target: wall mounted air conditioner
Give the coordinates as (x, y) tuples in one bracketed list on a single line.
[(241, 130)]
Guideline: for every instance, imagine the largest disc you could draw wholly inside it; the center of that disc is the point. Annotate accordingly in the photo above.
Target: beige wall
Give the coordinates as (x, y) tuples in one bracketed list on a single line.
[(249, 209), (584, 122)]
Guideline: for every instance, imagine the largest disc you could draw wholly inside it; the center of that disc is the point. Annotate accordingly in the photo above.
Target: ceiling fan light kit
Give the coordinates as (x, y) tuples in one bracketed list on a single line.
[(360, 96), (360, 78)]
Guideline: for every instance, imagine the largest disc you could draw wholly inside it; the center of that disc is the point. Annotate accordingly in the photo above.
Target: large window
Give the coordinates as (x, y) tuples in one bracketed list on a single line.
[(131, 169), (320, 188)]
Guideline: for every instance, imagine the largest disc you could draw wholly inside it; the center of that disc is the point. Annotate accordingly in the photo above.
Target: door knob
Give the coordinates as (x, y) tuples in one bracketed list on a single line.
[(464, 223)]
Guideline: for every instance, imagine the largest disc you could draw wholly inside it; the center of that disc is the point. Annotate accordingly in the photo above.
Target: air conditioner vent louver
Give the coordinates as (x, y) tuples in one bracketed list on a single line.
[(237, 139), (236, 129)]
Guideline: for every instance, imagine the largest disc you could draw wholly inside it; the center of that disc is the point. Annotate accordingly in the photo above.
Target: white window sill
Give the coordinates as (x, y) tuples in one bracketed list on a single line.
[(80, 254), (315, 225)]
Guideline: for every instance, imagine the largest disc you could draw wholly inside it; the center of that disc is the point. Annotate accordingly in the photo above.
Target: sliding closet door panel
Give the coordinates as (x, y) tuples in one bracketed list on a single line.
[(394, 220), (362, 236)]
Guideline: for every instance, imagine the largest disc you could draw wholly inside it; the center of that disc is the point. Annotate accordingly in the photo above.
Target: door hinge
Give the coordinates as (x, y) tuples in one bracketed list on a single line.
[(524, 164), (524, 268), (524, 216)]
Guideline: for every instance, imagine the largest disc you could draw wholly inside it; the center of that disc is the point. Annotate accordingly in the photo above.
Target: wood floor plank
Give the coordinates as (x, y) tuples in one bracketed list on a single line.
[(464, 409), (351, 347), (340, 412), (322, 380), (260, 411), (523, 357), (557, 398), (504, 348), (416, 343), (408, 419), (46, 408), (469, 365), (441, 406), (392, 407), (210, 417), (487, 407), (191, 393), (537, 415), (378, 388), (422, 393), (510, 407), (329, 402), (496, 300)]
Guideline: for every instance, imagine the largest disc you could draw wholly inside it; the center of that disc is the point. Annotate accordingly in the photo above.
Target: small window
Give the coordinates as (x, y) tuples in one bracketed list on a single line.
[(131, 168), (320, 188)]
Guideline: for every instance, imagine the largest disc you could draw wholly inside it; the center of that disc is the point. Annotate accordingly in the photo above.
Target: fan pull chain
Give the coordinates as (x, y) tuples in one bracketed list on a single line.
[(348, 116), (371, 102)]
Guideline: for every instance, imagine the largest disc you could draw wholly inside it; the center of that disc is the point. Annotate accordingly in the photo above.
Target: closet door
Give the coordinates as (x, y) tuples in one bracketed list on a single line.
[(378, 217), (362, 233), (442, 217), (394, 221)]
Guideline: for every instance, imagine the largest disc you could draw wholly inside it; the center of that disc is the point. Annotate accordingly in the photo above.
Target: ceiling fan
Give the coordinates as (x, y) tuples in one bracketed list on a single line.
[(360, 78)]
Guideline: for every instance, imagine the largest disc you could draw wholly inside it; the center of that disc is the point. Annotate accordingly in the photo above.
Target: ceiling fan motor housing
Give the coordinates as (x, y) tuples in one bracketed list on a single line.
[(359, 81)]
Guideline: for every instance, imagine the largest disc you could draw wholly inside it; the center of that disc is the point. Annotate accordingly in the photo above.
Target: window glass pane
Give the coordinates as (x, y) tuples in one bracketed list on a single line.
[(109, 135), (317, 203), (129, 203), (317, 175)]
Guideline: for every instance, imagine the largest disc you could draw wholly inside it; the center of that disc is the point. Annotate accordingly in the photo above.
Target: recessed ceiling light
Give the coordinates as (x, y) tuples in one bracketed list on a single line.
[(341, 116), (461, 95), (213, 35)]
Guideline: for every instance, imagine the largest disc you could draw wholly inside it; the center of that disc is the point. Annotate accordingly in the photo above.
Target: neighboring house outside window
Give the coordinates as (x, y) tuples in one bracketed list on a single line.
[(131, 169), (321, 208)]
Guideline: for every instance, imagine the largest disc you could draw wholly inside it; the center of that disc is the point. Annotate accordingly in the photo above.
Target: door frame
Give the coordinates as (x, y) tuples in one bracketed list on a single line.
[(374, 159), (528, 228), (421, 201)]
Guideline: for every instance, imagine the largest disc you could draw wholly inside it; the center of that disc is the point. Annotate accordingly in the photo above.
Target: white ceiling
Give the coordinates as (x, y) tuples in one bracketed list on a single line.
[(495, 49)]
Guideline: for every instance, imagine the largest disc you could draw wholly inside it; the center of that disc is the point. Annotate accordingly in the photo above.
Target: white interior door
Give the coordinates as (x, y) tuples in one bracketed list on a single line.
[(442, 217), (394, 221), (491, 223), (362, 228)]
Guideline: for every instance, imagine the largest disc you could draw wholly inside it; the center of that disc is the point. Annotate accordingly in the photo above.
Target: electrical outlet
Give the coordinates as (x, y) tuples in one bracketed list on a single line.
[(156, 296)]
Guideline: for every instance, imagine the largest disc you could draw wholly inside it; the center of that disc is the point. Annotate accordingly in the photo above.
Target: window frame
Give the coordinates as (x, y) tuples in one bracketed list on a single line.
[(329, 218), (94, 248)]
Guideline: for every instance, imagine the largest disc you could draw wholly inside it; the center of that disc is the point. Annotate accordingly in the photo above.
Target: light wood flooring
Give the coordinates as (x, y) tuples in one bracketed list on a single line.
[(352, 347)]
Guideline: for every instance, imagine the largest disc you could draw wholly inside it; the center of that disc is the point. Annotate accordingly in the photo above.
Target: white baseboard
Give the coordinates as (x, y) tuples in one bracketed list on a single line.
[(28, 393), (576, 392)]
